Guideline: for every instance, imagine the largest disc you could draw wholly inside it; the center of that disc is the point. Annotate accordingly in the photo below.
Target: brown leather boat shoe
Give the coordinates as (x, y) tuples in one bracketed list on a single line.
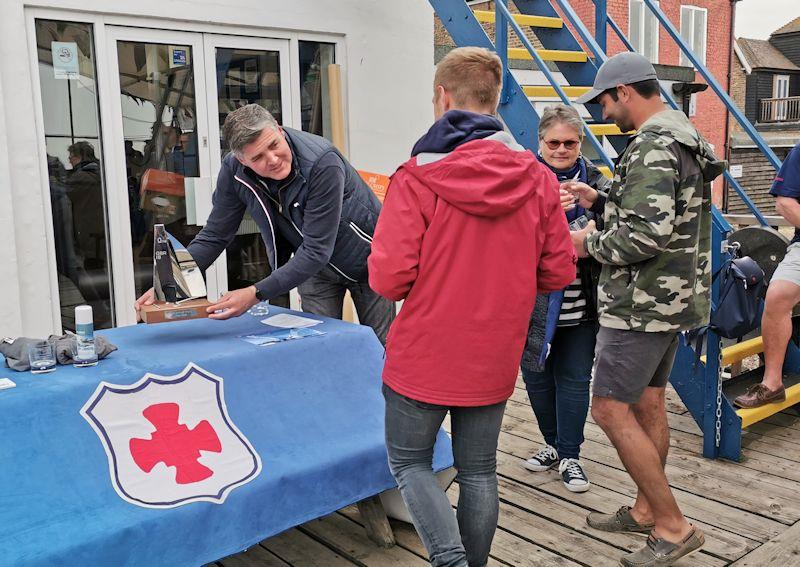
[(759, 395)]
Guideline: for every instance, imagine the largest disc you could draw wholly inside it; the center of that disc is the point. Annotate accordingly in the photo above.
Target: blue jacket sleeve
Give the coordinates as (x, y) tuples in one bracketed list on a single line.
[(226, 214), (321, 215)]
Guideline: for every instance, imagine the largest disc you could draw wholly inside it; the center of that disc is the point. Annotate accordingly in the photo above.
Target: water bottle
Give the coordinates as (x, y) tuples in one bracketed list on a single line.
[(85, 355)]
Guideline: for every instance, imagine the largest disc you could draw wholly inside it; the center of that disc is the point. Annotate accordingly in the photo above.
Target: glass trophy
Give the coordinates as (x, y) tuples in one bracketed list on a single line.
[(180, 291)]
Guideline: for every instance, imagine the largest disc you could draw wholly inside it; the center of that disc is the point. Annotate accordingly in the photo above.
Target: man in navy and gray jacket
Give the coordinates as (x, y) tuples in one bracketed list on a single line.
[(298, 188)]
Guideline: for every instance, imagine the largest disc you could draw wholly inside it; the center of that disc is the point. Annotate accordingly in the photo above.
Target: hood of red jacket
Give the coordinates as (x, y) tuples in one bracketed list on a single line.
[(489, 177)]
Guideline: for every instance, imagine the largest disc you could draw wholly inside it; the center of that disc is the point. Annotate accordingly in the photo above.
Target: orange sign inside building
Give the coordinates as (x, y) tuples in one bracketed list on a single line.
[(377, 182)]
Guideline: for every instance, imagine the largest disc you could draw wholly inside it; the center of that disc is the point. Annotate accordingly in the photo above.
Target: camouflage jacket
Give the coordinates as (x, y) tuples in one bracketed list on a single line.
[(656, 244)]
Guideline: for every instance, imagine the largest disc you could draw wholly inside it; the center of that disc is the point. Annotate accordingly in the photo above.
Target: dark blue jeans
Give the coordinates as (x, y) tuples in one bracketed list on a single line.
[(452, 540), (560, 394)]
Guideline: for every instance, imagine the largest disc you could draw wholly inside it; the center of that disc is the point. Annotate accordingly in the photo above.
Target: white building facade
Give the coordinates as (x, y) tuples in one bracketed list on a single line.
[(111, 120)]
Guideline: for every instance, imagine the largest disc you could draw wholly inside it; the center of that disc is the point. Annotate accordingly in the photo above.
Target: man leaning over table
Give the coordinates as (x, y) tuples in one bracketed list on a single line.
[(296, 186)]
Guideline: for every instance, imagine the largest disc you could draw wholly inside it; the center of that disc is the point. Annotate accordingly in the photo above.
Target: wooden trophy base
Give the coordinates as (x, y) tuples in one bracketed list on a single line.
[(163, 312)]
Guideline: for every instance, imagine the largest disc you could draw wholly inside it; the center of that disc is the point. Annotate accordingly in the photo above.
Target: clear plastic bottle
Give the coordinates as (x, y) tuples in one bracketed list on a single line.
[(85, 354)]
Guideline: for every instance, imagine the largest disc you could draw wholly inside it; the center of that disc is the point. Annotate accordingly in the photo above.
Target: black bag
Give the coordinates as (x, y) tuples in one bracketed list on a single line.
[(740, 306)]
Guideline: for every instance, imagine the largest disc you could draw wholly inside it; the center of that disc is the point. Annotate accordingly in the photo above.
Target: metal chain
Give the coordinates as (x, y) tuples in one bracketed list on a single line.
[(718, 422)]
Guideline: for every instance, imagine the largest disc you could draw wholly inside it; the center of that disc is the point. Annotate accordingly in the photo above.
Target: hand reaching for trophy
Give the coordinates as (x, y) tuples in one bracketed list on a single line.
[(233, 303), (147, 298)]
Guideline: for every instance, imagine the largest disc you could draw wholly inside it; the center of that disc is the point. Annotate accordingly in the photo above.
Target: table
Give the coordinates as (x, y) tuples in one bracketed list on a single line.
[(292, 432)]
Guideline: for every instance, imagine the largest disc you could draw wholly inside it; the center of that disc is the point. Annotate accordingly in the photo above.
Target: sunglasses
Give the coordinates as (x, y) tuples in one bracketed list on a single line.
[(555, 144)]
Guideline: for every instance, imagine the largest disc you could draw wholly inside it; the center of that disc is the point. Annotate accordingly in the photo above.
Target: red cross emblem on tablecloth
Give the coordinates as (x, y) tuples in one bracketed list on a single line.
[(174, 444), (169, 439)]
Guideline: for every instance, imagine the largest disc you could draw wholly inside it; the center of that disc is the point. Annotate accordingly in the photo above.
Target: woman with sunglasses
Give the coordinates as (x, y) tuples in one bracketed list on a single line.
[(559, 353)]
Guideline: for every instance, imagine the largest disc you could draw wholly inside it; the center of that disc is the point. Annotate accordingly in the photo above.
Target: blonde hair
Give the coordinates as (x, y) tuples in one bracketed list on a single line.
[(472, 76)]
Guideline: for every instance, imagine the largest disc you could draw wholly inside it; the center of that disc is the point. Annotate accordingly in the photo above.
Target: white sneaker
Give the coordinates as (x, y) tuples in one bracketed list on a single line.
[(545, 459), (572, 474)]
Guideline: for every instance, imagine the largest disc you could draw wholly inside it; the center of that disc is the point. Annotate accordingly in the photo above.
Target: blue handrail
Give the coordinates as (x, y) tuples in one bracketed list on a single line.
[(600, 20), (501, 7), (599, 53), (501, 45)]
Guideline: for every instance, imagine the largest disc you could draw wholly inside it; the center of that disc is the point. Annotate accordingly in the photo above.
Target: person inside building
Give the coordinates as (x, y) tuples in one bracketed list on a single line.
[(296, 185), (557, 368), (655, 283), (783, 292), (472, 226)]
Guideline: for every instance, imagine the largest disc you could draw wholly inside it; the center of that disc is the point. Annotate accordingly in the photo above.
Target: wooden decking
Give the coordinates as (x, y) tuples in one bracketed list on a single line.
[(750, 511)]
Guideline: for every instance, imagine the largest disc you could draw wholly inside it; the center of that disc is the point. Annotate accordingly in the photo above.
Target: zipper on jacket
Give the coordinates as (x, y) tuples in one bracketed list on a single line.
[(269, 219), (360, 233), (280, 208)]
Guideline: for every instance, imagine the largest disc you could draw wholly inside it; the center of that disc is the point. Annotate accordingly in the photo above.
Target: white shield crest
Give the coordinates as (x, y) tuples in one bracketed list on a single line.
[(169, 439)]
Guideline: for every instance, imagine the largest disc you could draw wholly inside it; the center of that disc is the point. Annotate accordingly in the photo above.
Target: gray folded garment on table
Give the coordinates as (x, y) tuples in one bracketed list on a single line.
[(16, 350)]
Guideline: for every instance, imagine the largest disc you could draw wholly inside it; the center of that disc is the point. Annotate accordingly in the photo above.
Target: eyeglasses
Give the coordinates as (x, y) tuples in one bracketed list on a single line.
[(555, 144)]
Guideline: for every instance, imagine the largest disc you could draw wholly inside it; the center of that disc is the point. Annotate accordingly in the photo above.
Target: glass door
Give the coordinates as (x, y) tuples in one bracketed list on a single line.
[(160, 143), (241, 71)]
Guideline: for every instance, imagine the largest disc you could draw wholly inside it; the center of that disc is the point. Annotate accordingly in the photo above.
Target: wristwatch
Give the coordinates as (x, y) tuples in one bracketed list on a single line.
[(260, 296)]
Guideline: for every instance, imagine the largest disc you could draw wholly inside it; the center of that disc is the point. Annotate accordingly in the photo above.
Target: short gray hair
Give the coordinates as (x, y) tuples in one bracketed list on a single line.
[(560, 114), (244, 125)]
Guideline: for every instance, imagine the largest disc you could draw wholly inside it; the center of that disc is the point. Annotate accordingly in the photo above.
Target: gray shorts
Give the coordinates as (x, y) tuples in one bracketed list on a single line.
[(626, 362), (789, 268)]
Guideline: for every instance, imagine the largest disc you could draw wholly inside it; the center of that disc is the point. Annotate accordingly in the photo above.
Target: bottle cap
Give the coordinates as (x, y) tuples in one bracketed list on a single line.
[(83, 315)]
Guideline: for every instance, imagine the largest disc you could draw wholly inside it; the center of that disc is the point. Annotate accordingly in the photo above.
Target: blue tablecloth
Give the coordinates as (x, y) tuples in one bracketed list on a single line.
[(310, 409)]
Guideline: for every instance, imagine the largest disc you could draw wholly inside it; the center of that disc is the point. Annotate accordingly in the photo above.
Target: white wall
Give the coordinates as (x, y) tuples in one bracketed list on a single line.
[(388, 73)]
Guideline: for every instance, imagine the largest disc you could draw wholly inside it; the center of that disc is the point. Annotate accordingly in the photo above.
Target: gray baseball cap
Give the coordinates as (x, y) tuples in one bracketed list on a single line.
[(622, 69)]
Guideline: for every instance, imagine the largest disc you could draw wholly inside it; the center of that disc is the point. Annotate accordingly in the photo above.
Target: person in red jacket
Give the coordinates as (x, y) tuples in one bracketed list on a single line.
[(471, 229)]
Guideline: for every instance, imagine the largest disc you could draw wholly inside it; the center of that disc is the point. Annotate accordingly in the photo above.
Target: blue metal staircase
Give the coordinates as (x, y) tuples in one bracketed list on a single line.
[(699, 384)]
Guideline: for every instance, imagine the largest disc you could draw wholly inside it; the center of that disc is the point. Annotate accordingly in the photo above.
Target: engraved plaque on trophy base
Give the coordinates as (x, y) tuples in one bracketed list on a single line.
[(163, 312), (178, 284)]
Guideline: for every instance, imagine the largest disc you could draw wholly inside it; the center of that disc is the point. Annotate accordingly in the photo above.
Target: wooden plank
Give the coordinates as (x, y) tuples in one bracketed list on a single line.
[(783, 549), (349, 540), (607, 130), (740, 351), (726, 483), (406, 535), (603, 468), (546, 91), (487, 17), (548, 55), (540, 502), (559, 539), (296, 548), (754, 415), (375, 521), (256, 556), (729, 532)]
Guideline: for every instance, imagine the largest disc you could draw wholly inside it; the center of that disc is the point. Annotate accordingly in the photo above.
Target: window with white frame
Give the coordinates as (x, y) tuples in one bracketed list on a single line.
[(694, 32), (643, 30)]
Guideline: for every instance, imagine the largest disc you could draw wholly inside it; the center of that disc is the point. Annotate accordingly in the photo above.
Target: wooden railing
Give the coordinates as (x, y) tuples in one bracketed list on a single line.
[(785, 109)]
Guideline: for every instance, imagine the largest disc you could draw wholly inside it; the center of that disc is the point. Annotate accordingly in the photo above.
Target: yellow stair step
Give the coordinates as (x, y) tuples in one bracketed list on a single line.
[(606, 130), (487, 17), (740, 351), (751, 416), (544, 91), (549, 55)]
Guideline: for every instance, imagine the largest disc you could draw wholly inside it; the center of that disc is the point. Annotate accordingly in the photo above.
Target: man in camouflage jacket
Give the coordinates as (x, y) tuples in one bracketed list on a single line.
[(655, 282)]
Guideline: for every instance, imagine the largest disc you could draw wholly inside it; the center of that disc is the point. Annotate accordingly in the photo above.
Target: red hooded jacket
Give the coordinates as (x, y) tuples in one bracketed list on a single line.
[(467, 238)]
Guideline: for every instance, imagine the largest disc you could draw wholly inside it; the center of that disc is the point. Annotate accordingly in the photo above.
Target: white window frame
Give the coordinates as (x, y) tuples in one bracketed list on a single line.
[(687, 10), (777, 82), (647, 16), (780, 89), (117, 206)]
